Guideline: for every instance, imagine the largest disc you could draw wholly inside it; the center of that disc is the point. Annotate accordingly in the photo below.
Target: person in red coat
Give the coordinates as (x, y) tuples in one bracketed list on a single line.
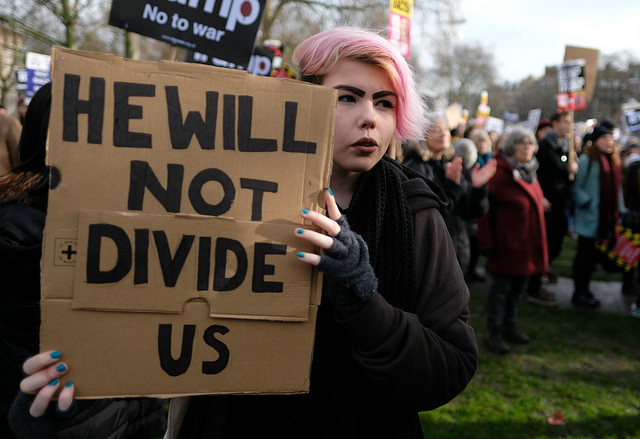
[(513, 236)]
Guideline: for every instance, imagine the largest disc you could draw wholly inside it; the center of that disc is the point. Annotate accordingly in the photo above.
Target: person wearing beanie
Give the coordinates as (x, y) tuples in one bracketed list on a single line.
[(544, 126), (595, 193)]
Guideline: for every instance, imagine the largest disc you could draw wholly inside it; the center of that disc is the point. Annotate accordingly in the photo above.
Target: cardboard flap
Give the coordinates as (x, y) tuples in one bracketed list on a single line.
[(155, 263)]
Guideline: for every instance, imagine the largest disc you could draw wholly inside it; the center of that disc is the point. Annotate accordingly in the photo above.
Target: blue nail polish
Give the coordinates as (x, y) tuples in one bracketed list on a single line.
[(305, 210), (69, 384), (56, 354), (300, 255), (299, 231), (330, 192), (61, 368), (54, 382)]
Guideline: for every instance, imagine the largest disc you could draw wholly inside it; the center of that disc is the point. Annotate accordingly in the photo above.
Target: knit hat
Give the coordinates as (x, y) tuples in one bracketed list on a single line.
[(604, 127), (544, 122)]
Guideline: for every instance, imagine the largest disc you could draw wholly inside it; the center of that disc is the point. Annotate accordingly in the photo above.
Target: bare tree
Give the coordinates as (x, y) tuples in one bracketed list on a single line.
[(468, 69)]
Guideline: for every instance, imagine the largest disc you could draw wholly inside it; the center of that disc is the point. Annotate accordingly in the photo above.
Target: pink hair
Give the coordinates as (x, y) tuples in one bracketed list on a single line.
[(318, 54)]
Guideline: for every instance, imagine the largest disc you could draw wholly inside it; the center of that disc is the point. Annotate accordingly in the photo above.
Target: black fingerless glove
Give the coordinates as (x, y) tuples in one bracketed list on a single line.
[(349, 278)]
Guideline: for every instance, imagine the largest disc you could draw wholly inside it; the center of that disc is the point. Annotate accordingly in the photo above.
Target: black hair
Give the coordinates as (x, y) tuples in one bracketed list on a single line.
[(33, 139)]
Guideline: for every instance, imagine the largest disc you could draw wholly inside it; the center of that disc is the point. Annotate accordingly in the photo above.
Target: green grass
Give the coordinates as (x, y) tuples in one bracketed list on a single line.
[(582, 364)]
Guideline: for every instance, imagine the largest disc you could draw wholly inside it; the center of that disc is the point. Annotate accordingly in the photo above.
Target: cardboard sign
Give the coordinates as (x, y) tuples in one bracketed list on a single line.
[(224, 29), (169, 260), (590, 57)]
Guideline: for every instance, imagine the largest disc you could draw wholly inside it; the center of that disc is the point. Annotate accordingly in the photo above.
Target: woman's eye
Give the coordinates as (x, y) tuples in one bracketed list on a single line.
[(386, 104), (346, 98)]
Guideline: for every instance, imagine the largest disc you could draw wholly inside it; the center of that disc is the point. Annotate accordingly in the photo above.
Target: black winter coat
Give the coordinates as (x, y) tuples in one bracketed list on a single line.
[(465, 202), (372, 374)]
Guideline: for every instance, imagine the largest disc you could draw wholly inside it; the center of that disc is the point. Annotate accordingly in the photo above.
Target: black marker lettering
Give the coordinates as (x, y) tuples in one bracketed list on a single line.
[(181, 133), (72, 106), (123, 112)]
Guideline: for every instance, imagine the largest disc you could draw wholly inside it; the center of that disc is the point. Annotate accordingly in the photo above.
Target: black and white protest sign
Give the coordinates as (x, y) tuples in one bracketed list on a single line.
[(571, 76), (631, 118), (260, 63), (224, 29)]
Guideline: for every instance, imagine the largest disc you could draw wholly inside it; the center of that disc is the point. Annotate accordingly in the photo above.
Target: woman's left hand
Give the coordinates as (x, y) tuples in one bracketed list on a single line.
[(328, 224), (345, 260)]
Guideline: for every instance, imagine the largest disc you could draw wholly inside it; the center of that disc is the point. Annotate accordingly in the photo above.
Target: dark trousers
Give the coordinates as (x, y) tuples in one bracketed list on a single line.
[(502, 301), (584, 263), (557, 226)]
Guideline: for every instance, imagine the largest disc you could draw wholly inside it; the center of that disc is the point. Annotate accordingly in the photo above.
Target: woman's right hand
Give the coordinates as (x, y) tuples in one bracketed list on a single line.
[(43, 380)]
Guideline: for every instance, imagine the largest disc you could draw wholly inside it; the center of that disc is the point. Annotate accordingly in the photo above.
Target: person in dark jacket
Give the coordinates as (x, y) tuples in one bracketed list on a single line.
[(23, 204), (466, 189), (555, 168), (631, 216), (392, 337), (513, 235)]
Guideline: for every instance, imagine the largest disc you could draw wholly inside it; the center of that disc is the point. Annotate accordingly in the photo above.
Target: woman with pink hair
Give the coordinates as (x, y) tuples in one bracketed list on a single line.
[(392, 337)]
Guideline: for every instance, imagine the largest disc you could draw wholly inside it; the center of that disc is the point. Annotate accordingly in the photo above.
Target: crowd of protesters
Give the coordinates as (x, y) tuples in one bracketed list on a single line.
[(396, 292), (548, 185)]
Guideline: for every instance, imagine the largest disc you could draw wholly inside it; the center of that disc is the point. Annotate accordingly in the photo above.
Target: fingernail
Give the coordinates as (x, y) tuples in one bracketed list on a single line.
[(300, 255), (330, 192), (299, 231), (54, 382), (69, 384), (56, 354), (61, 368), (305, 210)]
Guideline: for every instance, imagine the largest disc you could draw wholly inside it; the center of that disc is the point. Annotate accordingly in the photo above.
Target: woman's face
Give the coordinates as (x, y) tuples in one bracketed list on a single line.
[(524, 151), (483, 145), (438, 138), (365, 114), (605, 143)]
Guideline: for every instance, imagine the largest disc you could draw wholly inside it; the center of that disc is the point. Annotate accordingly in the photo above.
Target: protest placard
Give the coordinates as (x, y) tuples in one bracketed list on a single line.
[(224, 29), (169, 259)]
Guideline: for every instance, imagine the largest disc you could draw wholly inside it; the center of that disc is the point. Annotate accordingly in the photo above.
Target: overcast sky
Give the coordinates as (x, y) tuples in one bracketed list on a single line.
[(525, 36)]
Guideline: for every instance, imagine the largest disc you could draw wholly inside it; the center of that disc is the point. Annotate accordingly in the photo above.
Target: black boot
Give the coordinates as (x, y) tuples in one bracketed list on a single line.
[(585, 300), (511, 334), (495, 341)]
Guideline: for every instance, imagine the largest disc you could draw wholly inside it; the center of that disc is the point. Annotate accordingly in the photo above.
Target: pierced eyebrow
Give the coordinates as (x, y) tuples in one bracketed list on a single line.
[(356, 91)]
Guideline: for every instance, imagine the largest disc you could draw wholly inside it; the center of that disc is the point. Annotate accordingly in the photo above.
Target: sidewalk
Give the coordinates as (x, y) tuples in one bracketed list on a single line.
[(609, 294)]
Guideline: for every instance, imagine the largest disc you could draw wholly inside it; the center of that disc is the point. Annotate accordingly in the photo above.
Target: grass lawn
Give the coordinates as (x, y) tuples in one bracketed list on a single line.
[(582, 365)]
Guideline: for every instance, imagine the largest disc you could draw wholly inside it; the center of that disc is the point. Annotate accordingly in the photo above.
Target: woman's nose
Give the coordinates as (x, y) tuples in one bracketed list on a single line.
[(368, 119)]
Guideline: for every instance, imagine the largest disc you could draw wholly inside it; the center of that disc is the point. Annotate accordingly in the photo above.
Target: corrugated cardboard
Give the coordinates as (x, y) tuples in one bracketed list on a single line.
[(169, 261)]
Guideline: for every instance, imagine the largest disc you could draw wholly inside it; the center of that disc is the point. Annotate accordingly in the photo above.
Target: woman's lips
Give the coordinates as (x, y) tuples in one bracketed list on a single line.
[(365, 145)]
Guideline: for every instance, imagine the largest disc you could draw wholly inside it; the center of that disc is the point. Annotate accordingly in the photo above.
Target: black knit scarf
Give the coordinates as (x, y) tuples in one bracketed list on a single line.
[(379, 212)]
